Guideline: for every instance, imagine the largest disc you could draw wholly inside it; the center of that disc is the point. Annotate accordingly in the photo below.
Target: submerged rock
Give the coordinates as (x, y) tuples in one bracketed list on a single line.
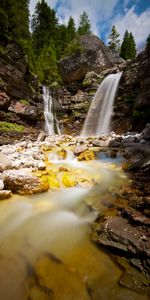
[(4, 194)]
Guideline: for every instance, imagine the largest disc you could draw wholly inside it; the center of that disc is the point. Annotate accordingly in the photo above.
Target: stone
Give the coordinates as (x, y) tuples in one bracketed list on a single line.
[(146, 132), (4, 100), (23, 182), (117, 233), (5, 163), (93, 56), (5, 194), (1, 184), (79, 149)]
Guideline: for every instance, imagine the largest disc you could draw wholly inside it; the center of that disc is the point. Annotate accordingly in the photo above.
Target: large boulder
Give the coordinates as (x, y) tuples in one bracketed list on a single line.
[(92, 55)]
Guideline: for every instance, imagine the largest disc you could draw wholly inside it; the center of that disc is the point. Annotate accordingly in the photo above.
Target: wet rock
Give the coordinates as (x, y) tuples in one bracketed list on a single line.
[(5, 163), (23, 182), (4, 194), (116, 232), (87, 155)]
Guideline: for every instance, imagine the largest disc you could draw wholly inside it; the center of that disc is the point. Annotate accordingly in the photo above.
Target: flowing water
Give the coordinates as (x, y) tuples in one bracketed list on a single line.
[(45, 247), (51, 122), (99, 115)]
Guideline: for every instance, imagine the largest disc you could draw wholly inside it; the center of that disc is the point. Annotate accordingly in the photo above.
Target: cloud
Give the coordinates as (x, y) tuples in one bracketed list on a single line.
[(99, 11), (138, 24)]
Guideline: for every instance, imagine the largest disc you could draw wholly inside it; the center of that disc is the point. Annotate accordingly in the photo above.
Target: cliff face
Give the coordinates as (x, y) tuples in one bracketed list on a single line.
[(20, 102), (132, 106)]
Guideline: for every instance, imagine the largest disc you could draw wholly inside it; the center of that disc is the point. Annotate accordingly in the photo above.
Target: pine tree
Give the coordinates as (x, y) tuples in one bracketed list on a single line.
[(147, 48), (44, 26), (71, 30), (128, 46), (17, 15), (114, 42), (84, 24)]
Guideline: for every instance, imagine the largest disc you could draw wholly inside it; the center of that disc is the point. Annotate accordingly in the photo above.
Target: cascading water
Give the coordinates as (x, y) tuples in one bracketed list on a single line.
[(51, 123), (99, 115)]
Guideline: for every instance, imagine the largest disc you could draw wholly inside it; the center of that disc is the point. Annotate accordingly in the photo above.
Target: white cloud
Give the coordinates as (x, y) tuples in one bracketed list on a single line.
[(139, 25)]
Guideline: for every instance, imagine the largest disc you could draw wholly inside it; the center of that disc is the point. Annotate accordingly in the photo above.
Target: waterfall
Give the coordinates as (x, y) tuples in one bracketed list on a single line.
[(51, 122), (99, 115)]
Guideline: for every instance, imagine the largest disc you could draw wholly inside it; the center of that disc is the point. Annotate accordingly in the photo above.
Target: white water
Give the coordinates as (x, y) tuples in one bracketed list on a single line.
[(99, 115), (50, 120)]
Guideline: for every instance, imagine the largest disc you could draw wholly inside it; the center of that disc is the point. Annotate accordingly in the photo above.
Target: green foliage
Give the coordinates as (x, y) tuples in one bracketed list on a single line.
[(24, 101), (114, 42), (6, 126), (71, 30), (147, 48), (46, 65), (14, 19), (128, 46), (73, 48), (84, 24), (44, 26)]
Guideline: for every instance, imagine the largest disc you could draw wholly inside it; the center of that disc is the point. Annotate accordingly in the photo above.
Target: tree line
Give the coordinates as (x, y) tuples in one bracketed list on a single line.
[(48, 41)]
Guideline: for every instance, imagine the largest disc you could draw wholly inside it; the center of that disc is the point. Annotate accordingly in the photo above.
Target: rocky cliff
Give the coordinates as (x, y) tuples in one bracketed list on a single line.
[(20, 103), (132, 106)]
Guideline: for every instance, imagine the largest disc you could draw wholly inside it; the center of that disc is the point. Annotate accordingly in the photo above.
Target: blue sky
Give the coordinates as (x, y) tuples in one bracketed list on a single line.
[(124, 14)]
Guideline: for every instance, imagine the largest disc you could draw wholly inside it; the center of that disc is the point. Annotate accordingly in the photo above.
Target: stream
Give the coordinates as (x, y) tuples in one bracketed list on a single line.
[(45, 247)]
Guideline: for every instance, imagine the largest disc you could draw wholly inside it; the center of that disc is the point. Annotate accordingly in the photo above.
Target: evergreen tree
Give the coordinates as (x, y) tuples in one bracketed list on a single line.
[(71, 30), (84, 24), (114, 42), (17, 18), (128, 46), (147, 48), (44, 26), (62, 40)]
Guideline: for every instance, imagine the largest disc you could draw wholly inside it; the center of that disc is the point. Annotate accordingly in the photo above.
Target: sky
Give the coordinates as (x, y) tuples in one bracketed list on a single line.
[(133, 15)]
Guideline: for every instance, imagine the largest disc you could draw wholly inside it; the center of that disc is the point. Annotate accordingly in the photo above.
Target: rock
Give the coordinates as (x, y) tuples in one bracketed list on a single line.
[(4, 100), (1, 184), (22, 182), (93, 55), (146, 132), (15, 72), (41, 165), (5, 163), (4, 194), (116, 232), (25, 110), (41, 137), (87, 155), (79, 149)]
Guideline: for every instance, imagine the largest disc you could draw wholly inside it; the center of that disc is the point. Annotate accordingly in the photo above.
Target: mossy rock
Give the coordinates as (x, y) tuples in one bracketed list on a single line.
[(24, 101), (8, 127)]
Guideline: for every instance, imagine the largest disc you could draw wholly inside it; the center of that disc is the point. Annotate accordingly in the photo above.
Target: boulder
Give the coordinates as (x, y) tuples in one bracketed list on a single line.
[(25, 110), (22, 182), (146, 132), (92, 56), (1, 184)]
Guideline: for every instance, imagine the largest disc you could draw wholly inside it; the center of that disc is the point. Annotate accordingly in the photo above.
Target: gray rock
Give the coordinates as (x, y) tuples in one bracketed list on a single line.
[(5, 163)]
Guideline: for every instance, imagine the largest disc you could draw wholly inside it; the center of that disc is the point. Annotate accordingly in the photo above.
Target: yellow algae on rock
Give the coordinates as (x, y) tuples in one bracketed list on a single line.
[(68, 180), (53, 181), (87, 155), (62, 153)]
